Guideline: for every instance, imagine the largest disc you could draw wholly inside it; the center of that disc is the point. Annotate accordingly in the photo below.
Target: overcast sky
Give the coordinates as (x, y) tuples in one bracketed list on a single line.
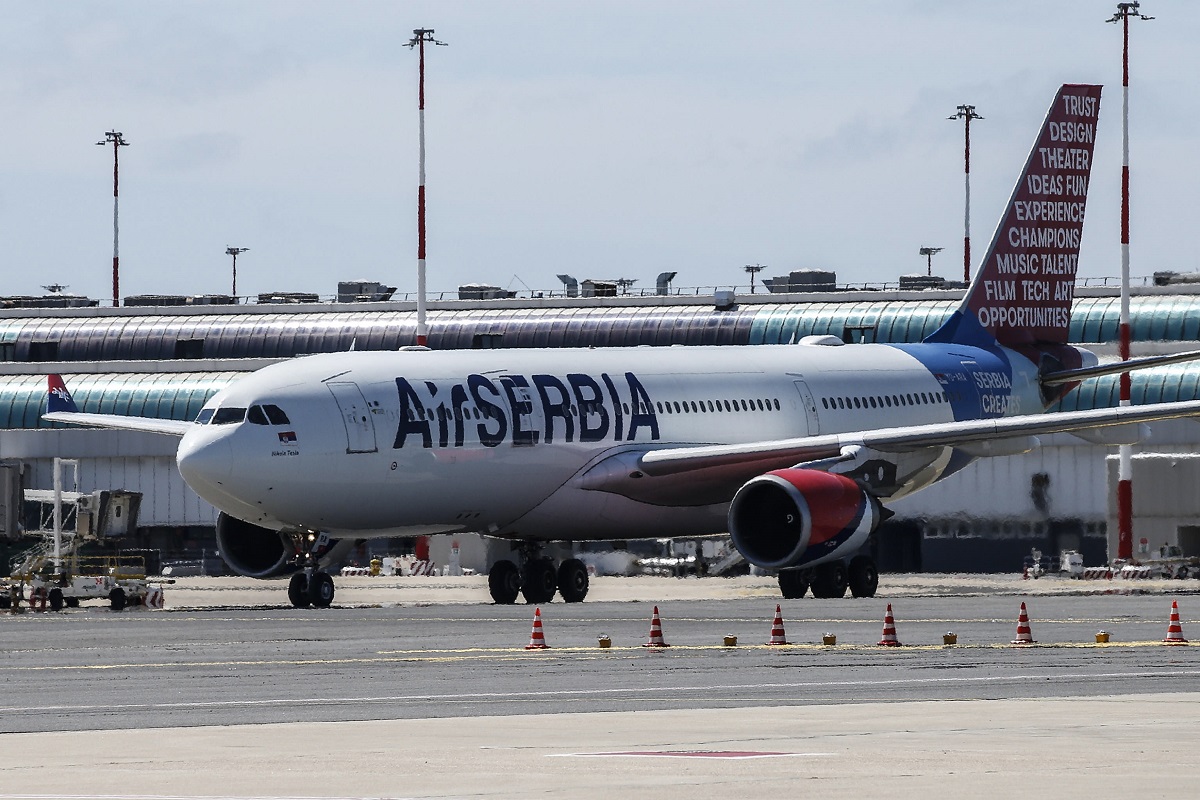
[(601, 139)]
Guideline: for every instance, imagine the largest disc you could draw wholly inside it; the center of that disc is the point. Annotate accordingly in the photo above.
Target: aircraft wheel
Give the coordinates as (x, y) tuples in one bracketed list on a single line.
[(298, 591), (55, 599), (573, 580), (540, 581), (117, 599), (793, 583), (504, 582), (864, 577), (320, 590), (830, 580)]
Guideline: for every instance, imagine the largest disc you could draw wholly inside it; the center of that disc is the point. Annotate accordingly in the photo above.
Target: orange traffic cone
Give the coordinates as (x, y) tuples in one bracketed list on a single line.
[(1024, 632), (537, 641), (1175, 629), (889, 630), (656, 635), (777, 634)]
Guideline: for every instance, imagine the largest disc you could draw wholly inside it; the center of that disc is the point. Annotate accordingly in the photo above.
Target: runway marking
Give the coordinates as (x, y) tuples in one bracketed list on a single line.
[(513, 653), (618, 692), (733, 754), (185, 797)]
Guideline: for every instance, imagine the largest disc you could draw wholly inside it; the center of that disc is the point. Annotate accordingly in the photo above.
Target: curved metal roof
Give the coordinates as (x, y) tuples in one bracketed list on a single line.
[(282, 334)]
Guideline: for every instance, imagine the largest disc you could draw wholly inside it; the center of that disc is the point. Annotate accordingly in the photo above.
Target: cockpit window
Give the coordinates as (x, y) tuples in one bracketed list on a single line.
[(276, 415), (228, 416), (257, 416), (204, 416)]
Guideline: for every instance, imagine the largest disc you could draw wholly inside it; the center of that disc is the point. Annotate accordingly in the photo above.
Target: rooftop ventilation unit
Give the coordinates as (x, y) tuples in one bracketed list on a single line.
[(287, 298), (663, 283), (572, 285), (364, 292), (483, 291)]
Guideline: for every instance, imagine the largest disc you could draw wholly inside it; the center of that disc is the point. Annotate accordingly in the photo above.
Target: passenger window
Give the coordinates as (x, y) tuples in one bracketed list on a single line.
[(776, 403), (275, 415), (257, 416), (204, 416), (228, 416)]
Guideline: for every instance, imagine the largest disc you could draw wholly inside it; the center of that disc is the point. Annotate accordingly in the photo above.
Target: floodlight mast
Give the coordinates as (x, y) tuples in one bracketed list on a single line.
[(753, 269), (929, 253), (117, 140), (966, 113), (1125, 452), (420, 37), (234, 251)]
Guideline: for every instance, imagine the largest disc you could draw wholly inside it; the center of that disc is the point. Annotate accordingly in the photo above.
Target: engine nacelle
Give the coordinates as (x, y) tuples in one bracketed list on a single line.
[(251, 550), (801, 517)]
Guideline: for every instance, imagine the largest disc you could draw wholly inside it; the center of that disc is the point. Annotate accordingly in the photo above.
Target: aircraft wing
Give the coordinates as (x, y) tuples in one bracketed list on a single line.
[(1117, 367), (170, 427), (788, 452), (60, 407)]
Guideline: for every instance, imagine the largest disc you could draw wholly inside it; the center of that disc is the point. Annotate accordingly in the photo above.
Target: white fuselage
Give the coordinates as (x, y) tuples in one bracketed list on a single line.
[(417, 441)]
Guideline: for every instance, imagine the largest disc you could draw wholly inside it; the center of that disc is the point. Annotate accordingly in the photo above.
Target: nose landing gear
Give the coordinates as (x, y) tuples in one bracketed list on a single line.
[(311, 586)]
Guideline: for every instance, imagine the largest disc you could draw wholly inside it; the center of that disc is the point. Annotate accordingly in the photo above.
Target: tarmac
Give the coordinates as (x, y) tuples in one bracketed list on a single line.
[(221, 592), (420, 687)]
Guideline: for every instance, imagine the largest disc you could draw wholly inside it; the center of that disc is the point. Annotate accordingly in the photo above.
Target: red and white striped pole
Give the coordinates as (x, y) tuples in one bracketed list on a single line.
[(118, 141), (1125, 452), (420, 37), (966, 113)]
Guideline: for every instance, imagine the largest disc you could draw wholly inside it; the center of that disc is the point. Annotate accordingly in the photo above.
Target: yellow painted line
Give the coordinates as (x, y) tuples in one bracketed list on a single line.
[(590, 653)]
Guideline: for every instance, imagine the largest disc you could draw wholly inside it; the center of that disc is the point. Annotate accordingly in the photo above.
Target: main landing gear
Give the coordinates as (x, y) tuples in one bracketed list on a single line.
[(831, 579), (537, 579)]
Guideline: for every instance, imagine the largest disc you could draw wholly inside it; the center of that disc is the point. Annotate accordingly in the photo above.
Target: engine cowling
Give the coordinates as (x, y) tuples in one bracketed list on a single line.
[(801, 517), (253, 551)]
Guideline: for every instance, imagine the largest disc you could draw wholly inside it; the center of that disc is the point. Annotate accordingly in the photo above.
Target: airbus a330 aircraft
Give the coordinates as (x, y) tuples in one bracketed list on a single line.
[(795, 450)]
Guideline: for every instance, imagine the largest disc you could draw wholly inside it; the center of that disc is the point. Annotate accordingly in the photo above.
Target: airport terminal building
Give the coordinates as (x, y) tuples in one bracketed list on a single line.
[(167, 360)]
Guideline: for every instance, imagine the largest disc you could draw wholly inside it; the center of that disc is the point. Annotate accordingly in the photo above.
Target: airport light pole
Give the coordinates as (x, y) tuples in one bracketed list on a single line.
[(966, 113), (929, 253), (754, 269), (234, 251), (420, 37), (1125, 457), (117, 139)]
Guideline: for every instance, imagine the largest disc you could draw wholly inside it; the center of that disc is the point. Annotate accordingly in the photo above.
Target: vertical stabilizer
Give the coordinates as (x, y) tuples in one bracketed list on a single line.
[(58, 397), (1022, 292)]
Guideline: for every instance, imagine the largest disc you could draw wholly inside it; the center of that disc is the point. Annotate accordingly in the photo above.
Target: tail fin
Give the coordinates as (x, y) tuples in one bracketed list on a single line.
[(58, 397), (1022, 292)]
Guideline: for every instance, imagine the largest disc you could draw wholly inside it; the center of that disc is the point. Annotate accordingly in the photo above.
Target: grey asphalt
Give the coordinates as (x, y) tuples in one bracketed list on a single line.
[(168, 689)]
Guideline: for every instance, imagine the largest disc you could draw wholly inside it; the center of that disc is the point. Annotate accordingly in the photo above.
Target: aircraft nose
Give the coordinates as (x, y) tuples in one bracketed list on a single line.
[(205, 464)]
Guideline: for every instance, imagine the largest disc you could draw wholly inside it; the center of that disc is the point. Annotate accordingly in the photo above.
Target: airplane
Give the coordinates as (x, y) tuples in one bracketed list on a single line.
[(795, 450)]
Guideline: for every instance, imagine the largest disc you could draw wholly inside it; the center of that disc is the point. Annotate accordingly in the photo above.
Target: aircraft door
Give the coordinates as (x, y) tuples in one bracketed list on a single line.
[(356, 415), (810, 407)]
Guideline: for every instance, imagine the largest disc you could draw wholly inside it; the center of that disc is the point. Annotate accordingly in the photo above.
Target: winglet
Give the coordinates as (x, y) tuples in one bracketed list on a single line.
[(59, 397)]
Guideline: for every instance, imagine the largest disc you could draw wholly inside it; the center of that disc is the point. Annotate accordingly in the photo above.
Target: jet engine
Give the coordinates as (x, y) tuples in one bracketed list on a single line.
[(800, 518), (253, 551)]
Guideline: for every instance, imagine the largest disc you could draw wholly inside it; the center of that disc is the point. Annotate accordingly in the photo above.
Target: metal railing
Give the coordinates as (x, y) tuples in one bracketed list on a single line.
[(708, 290)]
